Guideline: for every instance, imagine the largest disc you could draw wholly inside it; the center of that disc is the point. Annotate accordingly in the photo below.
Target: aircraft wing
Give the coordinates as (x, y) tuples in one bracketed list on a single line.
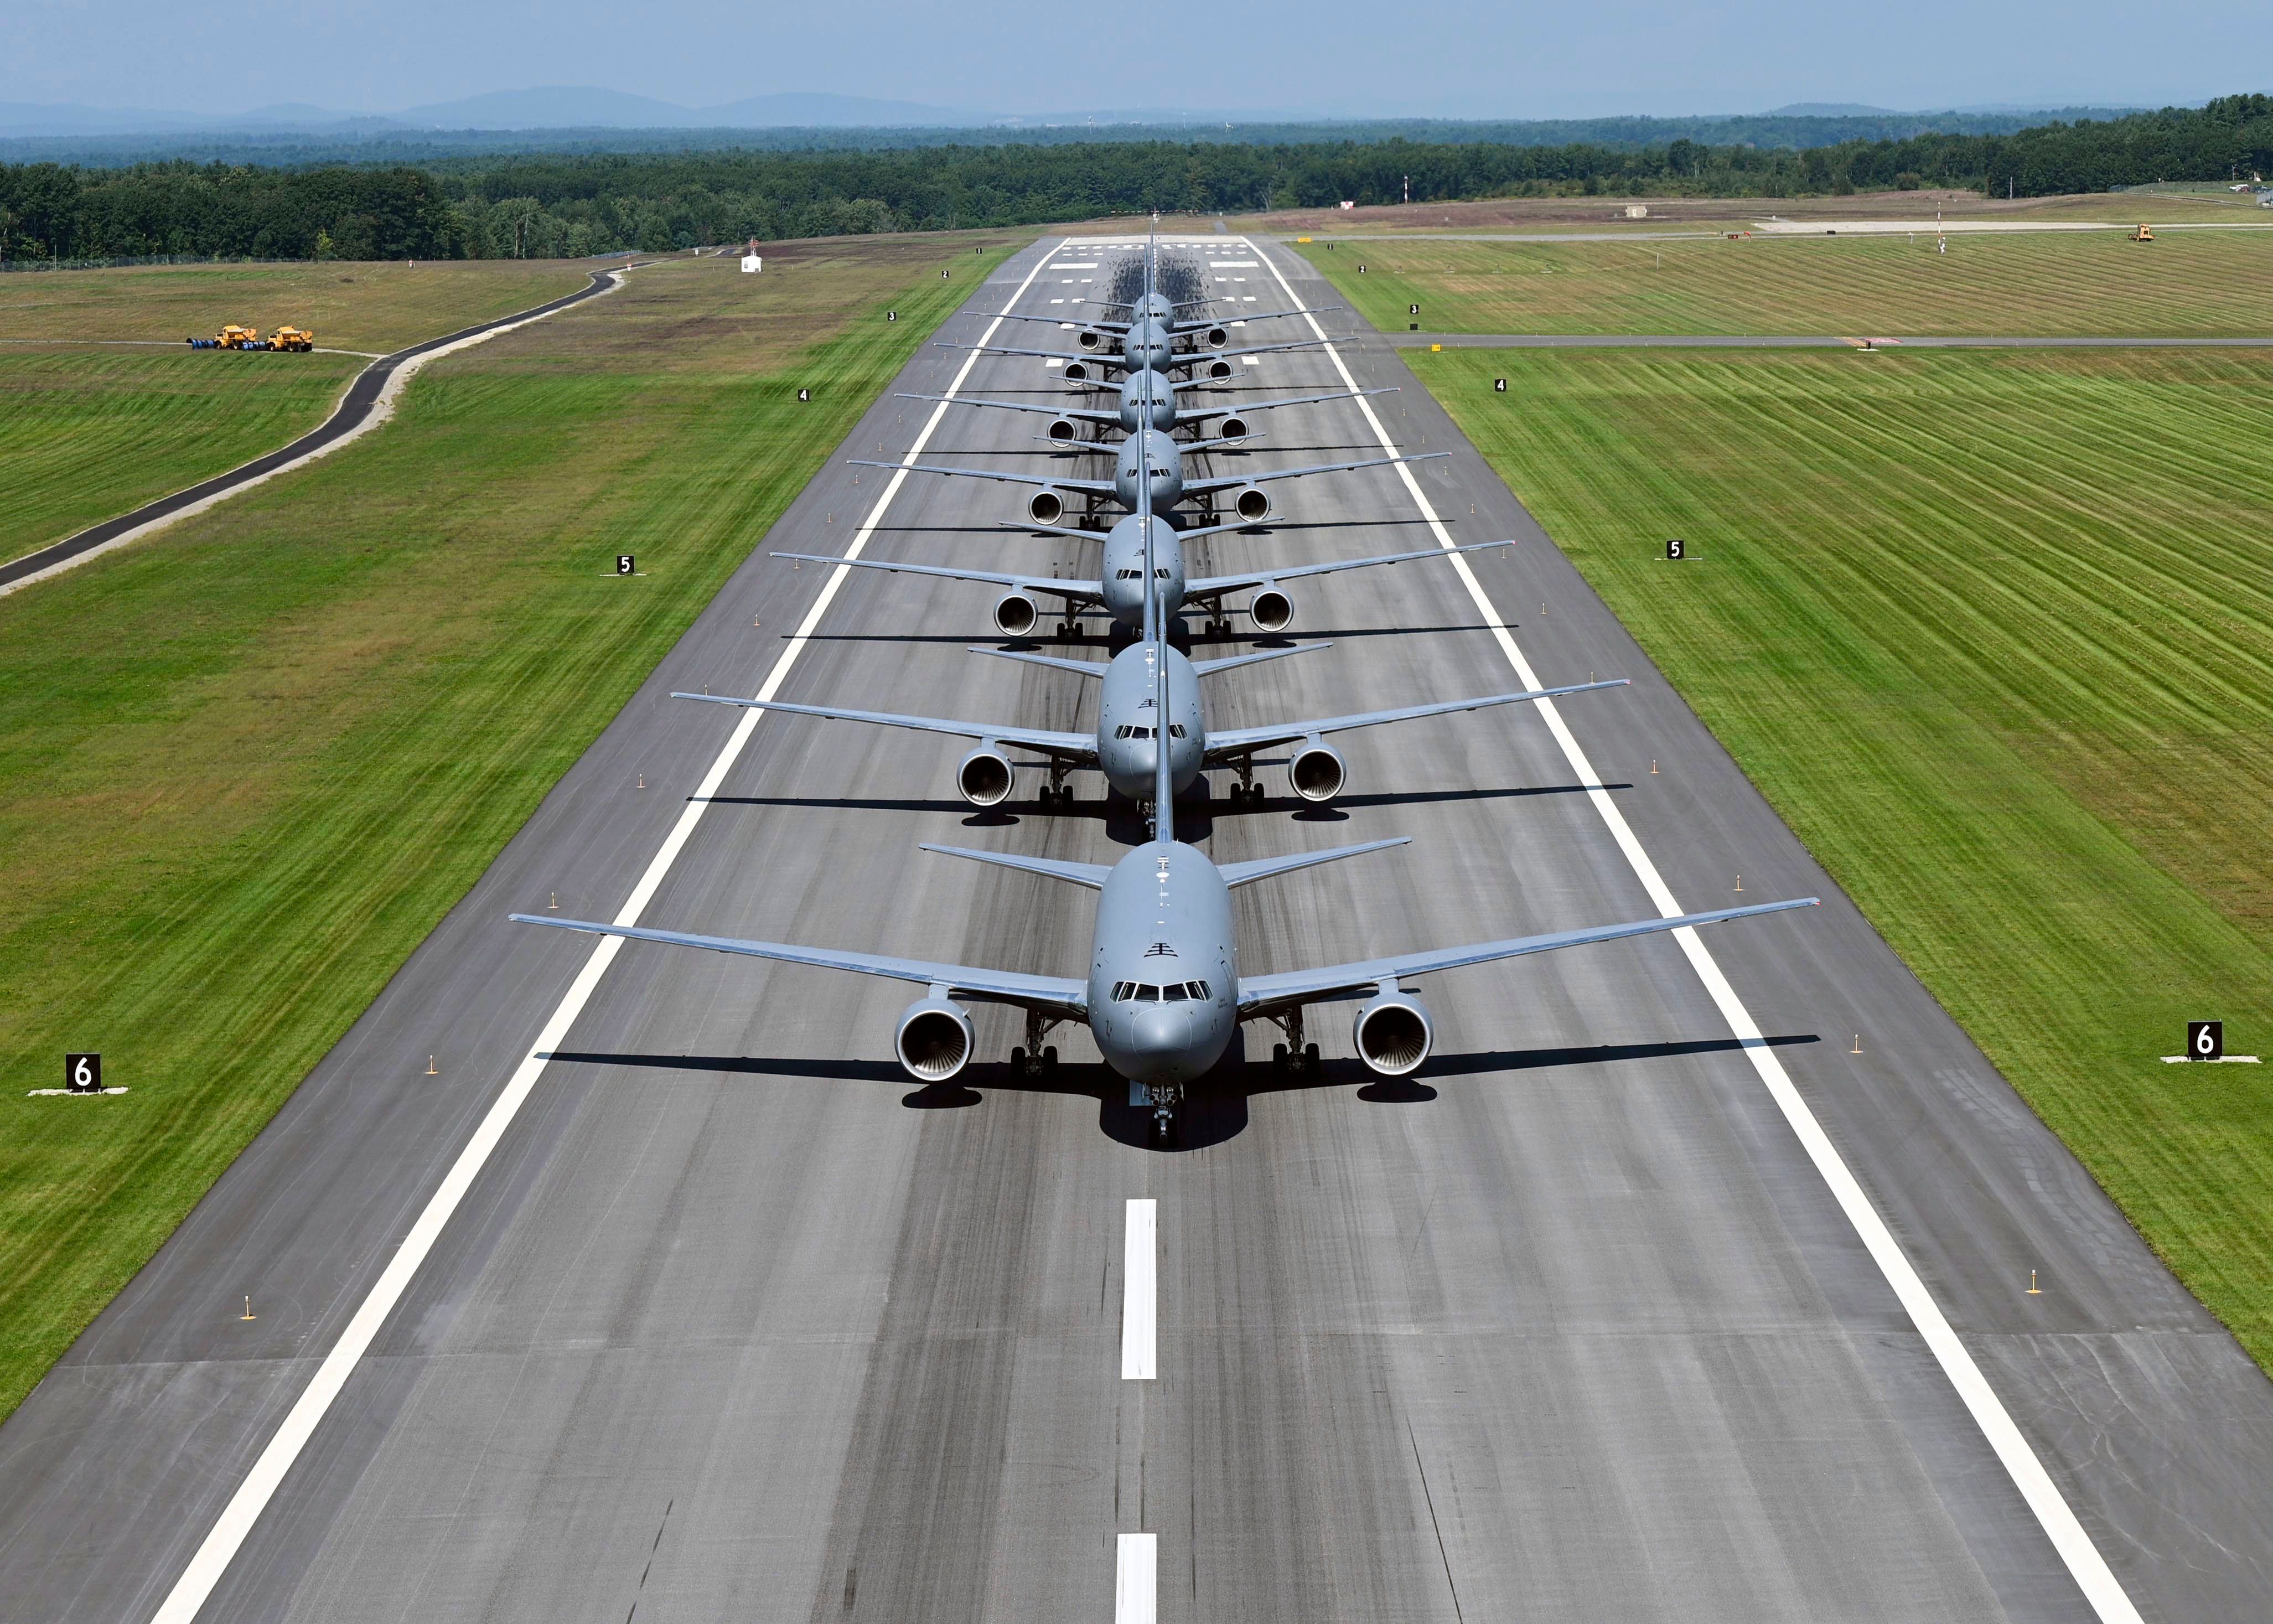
[(1193, 413), (1212, 586), (1055, 355), (1079, 413), (1057, 993), (1239, 315), (1191, 535), (1263, 995), (1081, 747), (1103, 487), (1072, 591), (1240, 740), (1191, 355), (1194, 488)]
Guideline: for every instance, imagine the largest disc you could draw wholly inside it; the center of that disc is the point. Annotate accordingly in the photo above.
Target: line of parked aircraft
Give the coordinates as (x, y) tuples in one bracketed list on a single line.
[(1163, 995)]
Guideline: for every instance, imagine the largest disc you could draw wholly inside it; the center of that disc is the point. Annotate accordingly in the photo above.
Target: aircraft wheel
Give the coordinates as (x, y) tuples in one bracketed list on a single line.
[(1019, 1058), (1279, 1056), (1164, 1133), (1050, 1059), (1310, 1059)]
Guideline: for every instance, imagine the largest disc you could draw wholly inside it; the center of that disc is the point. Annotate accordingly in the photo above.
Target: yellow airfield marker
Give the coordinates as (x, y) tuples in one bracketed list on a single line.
[(247, 1313), (2032, 1284)]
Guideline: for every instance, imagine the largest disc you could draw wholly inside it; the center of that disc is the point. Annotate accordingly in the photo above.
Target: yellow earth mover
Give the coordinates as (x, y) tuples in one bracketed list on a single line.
[(235, 337), (297, 339)]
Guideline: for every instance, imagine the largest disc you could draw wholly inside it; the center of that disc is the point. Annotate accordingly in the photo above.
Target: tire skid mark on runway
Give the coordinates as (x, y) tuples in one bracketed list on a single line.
[(206, 1569), (2085, 1564)]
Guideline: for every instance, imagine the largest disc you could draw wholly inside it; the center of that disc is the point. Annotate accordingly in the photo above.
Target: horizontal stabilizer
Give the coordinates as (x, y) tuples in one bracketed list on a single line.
[(1091, 874), (1240, 874), (1209, 667)]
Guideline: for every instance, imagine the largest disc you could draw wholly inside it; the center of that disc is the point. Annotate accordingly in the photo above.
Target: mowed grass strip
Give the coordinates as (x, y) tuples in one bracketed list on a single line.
[(2194, 284), (1994, 634), (376, 306), (87, 434), (246, 766)]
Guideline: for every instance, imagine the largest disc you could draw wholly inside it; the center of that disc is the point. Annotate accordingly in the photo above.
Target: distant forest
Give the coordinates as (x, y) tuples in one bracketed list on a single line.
[(571, 205)]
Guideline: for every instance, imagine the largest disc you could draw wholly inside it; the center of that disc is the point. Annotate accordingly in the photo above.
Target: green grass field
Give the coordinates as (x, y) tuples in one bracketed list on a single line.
[(375, 307), (1994, 634), (2049, 284), (88, 433), (312, 715)]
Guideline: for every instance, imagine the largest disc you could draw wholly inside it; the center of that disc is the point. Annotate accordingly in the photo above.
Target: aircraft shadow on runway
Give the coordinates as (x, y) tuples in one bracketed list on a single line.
[(1125, 826), (1215, 1108)]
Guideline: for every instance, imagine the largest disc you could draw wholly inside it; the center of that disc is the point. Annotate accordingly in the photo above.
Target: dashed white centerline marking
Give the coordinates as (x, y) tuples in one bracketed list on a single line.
[(2057, 1518), (1136, 1579), (1140, 1294), (196, 1585)]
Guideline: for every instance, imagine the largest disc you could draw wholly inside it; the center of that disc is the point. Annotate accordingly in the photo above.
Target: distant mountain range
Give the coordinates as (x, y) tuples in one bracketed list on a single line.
[(561, 107)]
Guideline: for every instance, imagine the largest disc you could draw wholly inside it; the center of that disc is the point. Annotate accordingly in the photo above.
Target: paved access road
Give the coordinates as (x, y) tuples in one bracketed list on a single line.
[(734, 1323), (368, 394)]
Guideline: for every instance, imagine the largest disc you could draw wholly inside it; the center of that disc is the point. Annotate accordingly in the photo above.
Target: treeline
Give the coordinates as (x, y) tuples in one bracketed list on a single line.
[(545, 205)]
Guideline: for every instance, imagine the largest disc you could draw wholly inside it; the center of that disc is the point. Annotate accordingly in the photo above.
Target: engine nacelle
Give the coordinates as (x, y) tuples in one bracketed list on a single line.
[(1216, 371), (1217, 337), (1064, 431), (1251, 503), (1233, 428), (1076, 371), (1317, 771), (983, 776), (1016, 614), (1090, 339), (932, 1041), (1392, 1033), (1046, 505), (1271, 610)]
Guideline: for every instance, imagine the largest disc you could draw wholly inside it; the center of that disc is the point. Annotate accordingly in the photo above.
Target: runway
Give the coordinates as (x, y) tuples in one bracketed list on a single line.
[(364, 406), (1797, 340), (734, 1322)]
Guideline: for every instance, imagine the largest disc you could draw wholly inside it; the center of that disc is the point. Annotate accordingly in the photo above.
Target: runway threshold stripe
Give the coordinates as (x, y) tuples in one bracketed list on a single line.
[(1140, 1294), (198, 1580), (1136, 1579), (2108, 1598)]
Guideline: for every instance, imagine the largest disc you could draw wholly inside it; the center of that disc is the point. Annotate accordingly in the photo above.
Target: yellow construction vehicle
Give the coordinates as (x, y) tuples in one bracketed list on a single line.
[(2142, 234), (297, 339)]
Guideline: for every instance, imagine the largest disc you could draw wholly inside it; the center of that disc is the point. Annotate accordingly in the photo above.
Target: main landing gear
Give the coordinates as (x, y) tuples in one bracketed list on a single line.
[(1293, 1057), (1030, 1058)]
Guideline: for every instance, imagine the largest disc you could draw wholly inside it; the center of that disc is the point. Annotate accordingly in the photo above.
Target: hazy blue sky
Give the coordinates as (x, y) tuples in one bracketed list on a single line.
[(1452, 57)]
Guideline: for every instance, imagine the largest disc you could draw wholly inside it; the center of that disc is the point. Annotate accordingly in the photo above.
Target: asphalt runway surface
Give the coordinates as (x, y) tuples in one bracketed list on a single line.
[(736, 1322), (1690, 341), (355, 408)]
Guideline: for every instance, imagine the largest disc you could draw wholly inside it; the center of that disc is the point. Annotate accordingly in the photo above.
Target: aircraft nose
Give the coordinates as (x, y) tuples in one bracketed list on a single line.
[(1160, 1031)]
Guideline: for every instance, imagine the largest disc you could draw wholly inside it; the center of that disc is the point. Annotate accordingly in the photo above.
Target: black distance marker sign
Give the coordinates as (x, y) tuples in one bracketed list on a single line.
[(2205, 1040), (83, 1073), (805, 395), (1411, 309), (892, 315), (626, 564), (1676, 549), (1499, 385)]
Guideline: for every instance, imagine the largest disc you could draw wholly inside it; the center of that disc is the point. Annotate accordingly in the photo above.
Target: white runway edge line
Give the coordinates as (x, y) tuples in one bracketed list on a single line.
[(2084, 1562), (382, 409), (1136, 1579), (205, 1568), (1140, 1294)]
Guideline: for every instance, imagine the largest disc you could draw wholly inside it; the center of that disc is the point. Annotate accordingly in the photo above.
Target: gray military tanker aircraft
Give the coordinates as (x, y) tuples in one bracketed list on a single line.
[(1163, 995), (1131, 722), (1120, 590), (1164, 476), (1149, 399)]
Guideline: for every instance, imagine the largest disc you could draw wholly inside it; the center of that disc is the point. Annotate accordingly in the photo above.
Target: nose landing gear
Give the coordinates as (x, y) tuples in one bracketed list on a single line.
[(1166, 1098)]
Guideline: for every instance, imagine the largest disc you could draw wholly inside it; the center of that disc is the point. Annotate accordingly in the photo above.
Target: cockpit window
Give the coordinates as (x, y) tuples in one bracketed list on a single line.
[(1175, 992)]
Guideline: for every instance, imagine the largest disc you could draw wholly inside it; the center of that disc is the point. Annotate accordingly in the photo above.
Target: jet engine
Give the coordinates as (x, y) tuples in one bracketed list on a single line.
[(1090, 339), (1251, 503), (1076, 371), (1317, 771), (1047, 506), (1233, 428), (1271, 610), (934, 1040), (1064, 431), (983, 776), (1392, 1033), (1215, 370), (1016, 614), (1216, 338)]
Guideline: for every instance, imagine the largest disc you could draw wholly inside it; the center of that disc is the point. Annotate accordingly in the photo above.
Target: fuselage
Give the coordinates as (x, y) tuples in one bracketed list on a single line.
[(1148, 400), (1123, 563), (1168, 469), (1164, 968), (1130, 725)]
